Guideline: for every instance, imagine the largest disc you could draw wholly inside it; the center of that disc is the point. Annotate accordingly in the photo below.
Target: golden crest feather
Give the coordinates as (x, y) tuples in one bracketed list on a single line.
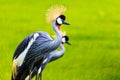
[(54, 11)]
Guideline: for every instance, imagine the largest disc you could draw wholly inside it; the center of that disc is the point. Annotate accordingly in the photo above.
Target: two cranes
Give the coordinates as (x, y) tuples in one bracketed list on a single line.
[(35, 48), (49, 58)]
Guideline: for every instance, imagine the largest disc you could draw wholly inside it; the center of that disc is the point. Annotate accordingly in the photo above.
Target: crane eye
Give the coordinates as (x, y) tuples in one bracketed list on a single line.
[(59, 20)]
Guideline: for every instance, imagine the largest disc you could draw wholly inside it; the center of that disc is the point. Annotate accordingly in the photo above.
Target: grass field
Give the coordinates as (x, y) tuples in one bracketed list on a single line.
[(94, 34)]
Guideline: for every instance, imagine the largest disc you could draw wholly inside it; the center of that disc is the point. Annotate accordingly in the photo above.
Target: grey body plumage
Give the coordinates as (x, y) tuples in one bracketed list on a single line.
[(33, 49), (52, 56)]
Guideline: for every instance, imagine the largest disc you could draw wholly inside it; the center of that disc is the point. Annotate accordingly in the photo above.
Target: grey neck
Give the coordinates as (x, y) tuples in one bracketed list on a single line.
[(62, 50), (58, 38), (57, 54)]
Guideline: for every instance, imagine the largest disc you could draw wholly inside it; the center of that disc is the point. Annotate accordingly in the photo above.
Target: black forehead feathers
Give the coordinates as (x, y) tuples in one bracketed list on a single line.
[(62, 17)]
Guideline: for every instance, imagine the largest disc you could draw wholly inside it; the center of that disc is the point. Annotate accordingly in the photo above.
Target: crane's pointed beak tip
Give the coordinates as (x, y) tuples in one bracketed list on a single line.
[(66, 23), (68, 43)]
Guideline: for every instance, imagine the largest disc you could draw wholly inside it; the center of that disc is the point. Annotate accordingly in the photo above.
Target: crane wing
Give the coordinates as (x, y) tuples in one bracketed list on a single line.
[(21, 47), (27, 47), (39, 48)]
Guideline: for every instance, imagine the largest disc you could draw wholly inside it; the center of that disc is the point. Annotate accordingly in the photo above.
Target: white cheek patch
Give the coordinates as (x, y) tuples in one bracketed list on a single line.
[(63, 40), (59, 21)]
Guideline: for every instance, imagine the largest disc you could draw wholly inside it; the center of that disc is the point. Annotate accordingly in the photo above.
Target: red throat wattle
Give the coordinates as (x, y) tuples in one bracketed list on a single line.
[(58, 27)]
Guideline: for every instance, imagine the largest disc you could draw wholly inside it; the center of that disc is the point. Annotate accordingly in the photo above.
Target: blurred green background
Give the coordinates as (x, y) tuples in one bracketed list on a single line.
[(94, 34)]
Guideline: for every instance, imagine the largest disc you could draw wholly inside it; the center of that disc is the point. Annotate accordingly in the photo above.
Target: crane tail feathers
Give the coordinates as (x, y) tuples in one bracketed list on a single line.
[(14, 69)]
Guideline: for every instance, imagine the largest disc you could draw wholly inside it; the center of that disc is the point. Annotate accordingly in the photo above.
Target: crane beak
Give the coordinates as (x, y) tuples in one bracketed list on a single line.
[(66, 23), (68, 43)]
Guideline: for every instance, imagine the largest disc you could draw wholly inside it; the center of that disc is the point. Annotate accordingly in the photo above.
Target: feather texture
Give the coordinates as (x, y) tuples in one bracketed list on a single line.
[(54, 12)]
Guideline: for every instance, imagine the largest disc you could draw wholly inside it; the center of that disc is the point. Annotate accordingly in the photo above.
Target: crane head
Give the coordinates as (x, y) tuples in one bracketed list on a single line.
[(55, 13), (61, 20), (65, 39)]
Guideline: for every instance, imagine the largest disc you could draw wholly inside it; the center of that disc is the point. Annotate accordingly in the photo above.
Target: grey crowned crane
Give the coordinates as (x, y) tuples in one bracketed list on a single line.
[(37, 45), (52, 56)]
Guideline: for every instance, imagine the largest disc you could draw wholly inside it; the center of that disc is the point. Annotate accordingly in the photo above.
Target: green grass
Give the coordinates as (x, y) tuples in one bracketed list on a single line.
[(94, 34)]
